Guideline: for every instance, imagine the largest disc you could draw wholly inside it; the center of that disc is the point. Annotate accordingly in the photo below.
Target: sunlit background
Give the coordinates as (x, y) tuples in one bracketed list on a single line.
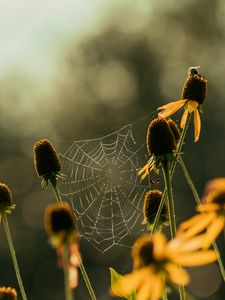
[(79, 69)]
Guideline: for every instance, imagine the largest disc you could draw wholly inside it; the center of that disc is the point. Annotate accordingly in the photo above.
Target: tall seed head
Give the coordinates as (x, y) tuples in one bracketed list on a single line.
[(175, 130), (60, 223), (6, 203), (195, 88), (160, 139), (46, 160), (151, 204)]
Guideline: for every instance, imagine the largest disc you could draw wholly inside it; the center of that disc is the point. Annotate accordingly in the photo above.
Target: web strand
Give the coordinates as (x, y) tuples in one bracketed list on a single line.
[(102, 185)]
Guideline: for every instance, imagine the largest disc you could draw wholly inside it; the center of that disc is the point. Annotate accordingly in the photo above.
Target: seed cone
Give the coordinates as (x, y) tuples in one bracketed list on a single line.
[(46, 159), (160, 139), (151, 204), (195, 88), (6, 203), (7, 293), (175, 130), (142, 252)]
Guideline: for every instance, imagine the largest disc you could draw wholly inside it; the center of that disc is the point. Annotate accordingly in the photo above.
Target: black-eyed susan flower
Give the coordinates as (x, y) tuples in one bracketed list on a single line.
[(46, 161), (155, 261), (150, 208), (60, 224), (210, 222), (7, 293), (192, 98), (161, 145), (6, 203)]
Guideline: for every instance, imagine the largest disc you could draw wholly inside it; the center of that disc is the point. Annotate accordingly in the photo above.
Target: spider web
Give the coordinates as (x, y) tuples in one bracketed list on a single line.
[(102, 185)]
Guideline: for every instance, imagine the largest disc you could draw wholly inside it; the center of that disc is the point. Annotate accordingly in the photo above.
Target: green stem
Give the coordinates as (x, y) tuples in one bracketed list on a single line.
[(179, 147), (87, 281), (198, 201), (167, 180), (165, 292), (68, 291), (13, 254), (57, 193)]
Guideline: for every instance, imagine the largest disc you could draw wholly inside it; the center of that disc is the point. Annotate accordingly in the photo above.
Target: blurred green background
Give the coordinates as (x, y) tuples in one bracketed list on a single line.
[(72, 70)]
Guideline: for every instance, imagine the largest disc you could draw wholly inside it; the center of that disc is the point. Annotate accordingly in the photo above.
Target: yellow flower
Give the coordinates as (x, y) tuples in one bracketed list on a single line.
[(211, 220), (7, 293), (155, 261), (193, 96)]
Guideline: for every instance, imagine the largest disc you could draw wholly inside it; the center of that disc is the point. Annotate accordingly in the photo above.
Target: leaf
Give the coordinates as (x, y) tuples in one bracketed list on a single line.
[(115, 277)]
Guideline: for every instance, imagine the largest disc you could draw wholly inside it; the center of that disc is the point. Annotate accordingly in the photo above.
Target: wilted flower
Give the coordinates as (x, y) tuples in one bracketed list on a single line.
[(60, 224), (6, 203), (193, 97), (155, 260), (160, 144), (210, 222), (46, 161), (151, 204), (7, 293)]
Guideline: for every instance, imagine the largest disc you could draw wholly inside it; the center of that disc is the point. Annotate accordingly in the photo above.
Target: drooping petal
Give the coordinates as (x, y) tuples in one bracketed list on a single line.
[(197, 227), (129, 283), (192, 106), (208, 207), (197, 124), (184, 119), (145, 290), (170, 108), (177, 274), (193, 220), (73, 277), (213, 231), (159, 244), (179, 245), (197, 258), (158, 289)]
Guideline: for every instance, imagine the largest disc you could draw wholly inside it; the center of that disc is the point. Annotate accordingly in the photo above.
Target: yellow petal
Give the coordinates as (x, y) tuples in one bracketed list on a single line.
[(158, 287), (144, 172), (192, 105), (197, 124), (177, 274), (208, 207), (159, 244), (129, 283), (197, 258), (197, 227), (184, 119), (171, 104), (186, 224), (170, 108), (213, 231), (145, 290)]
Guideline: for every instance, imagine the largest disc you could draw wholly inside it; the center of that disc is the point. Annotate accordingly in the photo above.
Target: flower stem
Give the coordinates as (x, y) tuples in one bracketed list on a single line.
[(68, 291), (13, 254), (198, 201), (179, 147), (167, 179), (56, 192), (87, 281)]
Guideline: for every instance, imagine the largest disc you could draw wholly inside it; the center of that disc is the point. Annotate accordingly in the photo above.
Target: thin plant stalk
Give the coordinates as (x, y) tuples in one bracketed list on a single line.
[(198, 201), (68, 291), (57, 193), (170, 203), (82, 268), (13, 254), (173, 165)]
